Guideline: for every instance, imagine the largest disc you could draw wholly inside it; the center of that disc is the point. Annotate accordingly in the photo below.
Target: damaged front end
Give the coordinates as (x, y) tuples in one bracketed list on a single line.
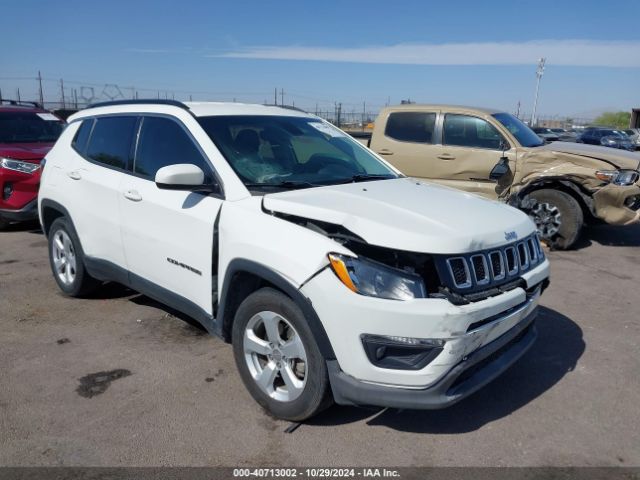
[(402, 275), (607, 185)]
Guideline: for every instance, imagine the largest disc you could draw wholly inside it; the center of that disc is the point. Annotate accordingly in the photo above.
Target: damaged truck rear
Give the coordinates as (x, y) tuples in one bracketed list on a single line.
[(560, 185)]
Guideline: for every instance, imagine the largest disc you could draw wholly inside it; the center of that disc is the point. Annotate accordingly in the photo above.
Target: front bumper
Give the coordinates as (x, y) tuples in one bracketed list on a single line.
[(609, 204), (472, 373), (24, 214), (347, 316)]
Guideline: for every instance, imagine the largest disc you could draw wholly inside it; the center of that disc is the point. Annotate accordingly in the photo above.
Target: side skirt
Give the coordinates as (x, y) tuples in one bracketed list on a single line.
[(107, 271)]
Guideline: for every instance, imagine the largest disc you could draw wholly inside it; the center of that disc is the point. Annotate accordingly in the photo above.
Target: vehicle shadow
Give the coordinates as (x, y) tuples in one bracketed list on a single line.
[(614, 236), (109, 291), (141, 299), (32, 226), (557, 350)]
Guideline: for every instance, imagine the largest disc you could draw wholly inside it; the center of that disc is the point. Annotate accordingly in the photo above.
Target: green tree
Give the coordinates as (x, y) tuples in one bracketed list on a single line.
[(614, 119)]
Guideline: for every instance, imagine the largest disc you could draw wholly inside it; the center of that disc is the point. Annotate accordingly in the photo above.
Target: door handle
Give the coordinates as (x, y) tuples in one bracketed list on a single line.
[(384, 151), (74, 175), (446, 156), (132, 195)]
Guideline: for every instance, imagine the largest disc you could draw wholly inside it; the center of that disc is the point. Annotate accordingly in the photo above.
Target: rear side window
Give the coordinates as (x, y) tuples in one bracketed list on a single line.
[(82, 135), (468, 131), (163, 142), (110, 142), (411, 126)]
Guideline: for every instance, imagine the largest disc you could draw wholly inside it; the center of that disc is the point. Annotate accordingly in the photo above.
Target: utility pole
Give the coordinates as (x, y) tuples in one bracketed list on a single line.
[(18, 92), (75, 98), (64, 103), (364, 114), (275, 96), (518, 110), (282, 96), (40, 89), (539, 73), (339, 113)]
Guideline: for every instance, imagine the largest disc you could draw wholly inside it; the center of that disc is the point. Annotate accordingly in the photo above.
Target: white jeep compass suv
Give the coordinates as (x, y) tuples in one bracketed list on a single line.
[(333, 275)]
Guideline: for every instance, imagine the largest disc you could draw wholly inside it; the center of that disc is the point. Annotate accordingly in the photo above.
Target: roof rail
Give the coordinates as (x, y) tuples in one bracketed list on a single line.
[(151, 101), (19, 103), (288, 107)]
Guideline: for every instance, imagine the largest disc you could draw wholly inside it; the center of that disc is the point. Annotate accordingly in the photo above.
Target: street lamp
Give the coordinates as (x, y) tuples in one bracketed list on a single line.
[(539, 73)]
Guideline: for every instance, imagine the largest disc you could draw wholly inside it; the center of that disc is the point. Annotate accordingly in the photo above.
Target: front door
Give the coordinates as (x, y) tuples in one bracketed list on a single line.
[(168, 234), (470, 148)]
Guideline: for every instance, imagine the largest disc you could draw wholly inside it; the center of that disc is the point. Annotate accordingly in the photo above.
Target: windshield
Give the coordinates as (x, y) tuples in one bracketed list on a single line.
[(29, 127), (525, 136), (268, 151)]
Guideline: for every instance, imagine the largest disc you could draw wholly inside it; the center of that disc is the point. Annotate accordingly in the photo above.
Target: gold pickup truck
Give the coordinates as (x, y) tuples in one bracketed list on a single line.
[(493, 154)]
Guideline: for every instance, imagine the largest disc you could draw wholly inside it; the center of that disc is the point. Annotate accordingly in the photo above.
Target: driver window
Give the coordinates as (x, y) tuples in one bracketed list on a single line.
[(468, 131), (163, 142)]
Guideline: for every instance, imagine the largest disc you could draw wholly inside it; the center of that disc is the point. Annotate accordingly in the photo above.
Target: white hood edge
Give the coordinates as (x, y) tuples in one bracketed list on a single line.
[(407, 214)]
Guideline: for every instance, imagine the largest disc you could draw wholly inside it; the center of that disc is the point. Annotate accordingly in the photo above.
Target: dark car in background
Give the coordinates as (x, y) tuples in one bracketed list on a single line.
[(564, 134), (607, 137), (634, 135), (546, 134), (27, 133)]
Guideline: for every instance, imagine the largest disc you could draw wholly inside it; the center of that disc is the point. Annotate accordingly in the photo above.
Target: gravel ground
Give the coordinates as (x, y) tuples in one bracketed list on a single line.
[(119, 380)]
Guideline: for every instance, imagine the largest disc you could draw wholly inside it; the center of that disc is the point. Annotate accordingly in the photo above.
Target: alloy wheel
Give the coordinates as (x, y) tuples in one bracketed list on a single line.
[(547, 218), (275, 356), (64, 257)]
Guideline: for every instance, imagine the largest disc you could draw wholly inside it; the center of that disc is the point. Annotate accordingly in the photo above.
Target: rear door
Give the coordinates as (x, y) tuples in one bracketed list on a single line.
[(408, 141), (471, 147), (168, 234), (96, 179)]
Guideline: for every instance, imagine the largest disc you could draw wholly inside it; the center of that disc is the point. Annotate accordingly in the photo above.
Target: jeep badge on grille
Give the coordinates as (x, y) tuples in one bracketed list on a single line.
[(508, 236)]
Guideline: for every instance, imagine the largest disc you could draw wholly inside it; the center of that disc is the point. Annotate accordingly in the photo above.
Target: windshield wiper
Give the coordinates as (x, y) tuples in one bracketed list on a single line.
[(288, 184), (364, 177)]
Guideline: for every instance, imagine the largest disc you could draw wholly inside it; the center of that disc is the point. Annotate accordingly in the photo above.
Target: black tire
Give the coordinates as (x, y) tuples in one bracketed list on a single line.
[(316, 393), (82, 282), (3, 224), (569, 222)]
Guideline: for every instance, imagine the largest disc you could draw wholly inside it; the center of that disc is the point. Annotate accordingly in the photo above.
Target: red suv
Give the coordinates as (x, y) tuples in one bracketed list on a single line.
[(27, 133)]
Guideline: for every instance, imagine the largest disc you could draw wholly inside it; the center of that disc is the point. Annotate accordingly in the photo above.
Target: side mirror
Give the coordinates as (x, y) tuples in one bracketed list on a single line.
[(182, 176), (500, 169), (504, 145)]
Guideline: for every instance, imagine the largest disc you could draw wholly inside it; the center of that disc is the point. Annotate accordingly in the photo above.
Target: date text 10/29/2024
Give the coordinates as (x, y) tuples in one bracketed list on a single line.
[(316, 472)]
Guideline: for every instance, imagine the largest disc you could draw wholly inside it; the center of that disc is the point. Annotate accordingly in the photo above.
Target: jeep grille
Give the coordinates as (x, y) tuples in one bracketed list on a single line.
[(491, 268)]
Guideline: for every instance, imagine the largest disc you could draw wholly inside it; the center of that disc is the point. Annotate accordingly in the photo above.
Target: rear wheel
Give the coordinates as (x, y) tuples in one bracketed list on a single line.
[(278, 358), (67, 260), (558, 217)]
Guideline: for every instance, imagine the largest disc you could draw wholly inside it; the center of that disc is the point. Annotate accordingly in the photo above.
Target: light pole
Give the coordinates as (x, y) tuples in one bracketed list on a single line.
[(539, 73)]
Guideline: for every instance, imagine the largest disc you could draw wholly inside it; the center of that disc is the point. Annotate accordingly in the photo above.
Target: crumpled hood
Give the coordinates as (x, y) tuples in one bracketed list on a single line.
[(620, 158), (25, 151), (407, 215)]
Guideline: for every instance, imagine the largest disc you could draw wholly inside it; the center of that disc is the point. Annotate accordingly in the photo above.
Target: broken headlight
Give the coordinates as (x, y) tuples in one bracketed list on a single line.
[(618, 177), (374, 279)]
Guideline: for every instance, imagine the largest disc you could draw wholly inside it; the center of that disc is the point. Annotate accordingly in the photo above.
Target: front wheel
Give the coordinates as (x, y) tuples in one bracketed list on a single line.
[(278, 358), (558, 217)]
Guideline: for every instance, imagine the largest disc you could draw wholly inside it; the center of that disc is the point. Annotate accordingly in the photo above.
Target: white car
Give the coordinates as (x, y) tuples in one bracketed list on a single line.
[(333, 275)]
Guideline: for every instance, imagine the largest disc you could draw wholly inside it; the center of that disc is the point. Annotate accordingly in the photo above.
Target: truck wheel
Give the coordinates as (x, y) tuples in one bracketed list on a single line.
[(67, 260), (558, 217), (278, 358)]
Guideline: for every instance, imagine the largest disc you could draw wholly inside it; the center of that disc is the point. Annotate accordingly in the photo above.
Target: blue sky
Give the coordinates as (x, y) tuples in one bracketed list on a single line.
[(480, 53)]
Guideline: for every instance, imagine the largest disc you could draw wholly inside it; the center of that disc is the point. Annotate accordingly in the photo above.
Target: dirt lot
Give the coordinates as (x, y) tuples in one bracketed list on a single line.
[(118, 380)]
